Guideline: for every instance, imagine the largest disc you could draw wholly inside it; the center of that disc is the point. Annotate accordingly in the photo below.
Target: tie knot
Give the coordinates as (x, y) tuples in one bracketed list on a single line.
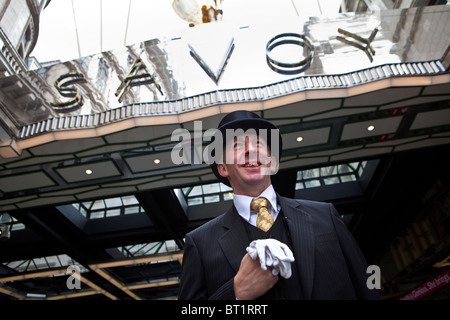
[(259, 203)]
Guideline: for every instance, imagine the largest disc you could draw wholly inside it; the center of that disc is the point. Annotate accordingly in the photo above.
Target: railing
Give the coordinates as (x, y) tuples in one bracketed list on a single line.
[(14, 62), (218, 97)]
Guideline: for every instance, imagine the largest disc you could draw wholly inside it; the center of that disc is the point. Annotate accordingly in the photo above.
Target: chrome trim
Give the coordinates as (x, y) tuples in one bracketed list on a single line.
[(219, 97)]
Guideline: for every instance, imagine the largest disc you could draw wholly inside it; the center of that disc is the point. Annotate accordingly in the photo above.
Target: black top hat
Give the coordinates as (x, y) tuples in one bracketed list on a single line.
[(243, 119)]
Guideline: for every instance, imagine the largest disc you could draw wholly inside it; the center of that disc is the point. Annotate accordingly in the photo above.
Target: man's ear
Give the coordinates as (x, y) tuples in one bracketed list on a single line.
[(222, 169)]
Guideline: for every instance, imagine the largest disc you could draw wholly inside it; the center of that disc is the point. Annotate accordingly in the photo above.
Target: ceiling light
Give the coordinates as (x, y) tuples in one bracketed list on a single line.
[(299, 139), (156, 161), (370, 128), (88, 171)]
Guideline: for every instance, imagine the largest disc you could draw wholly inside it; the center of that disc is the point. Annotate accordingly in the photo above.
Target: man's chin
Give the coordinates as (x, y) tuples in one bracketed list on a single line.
[(256, 179)]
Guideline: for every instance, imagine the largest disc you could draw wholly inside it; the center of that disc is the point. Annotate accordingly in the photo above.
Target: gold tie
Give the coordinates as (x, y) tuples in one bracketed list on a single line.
[(265, 219)]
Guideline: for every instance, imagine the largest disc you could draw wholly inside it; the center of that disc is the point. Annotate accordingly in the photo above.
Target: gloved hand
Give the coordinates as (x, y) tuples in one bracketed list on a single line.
[(272, 253)]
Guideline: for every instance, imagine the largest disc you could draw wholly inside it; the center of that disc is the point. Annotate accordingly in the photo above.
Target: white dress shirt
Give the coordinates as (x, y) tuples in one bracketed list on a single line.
[(242, 204)]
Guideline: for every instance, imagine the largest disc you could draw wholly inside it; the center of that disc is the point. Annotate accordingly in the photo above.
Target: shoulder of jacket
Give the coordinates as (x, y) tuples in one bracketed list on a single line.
[(208, 227), (305, 203)]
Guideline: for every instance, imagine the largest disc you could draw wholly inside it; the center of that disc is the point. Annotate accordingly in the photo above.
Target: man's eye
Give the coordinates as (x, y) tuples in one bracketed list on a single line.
[(261, 144)]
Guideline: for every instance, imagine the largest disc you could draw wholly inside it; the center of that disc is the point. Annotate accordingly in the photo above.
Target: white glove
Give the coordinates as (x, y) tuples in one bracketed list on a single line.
[(272, 253)]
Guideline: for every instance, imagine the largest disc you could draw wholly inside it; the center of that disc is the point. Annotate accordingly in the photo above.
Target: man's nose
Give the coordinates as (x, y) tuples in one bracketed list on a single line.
[(251, 147)]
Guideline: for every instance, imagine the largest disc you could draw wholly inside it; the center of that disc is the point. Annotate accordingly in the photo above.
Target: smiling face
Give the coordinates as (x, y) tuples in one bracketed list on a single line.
[(247, 164)]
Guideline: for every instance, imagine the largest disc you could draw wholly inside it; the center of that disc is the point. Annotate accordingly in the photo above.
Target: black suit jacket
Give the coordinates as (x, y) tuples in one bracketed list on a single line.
[(330, 262)]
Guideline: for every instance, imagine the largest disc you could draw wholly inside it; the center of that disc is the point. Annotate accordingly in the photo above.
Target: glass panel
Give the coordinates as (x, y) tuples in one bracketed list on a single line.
[(98, 204), (311, 173), (332, 180), (113, 202), (113, 212), (129, 200), (196, 191), (344, 168), (211, 199), (312, 183), (228, 196), (17, 226), (195, 201), (43, 263), (97, 214), (299, 186), (347, 178), (87, 205), (328, 171), (225, 188), (211, 188), (212, 193), (171, 245), (131, 210)]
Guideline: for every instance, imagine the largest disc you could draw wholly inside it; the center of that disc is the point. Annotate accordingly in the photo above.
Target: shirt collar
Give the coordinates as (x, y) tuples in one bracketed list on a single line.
[(242, 202)]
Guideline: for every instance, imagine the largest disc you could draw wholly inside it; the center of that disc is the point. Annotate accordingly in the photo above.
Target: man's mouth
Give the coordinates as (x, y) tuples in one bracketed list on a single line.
[(251, 165)]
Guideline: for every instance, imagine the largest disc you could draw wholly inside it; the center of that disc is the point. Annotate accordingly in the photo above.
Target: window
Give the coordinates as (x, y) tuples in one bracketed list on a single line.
[(10, 222), (143, 249), (329, 175), (207, 193), (43, 263), (110, 207)]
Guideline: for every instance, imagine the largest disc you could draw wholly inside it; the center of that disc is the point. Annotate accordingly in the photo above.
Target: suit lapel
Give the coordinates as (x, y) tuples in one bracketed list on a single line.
[(234, 241), (302, 234)]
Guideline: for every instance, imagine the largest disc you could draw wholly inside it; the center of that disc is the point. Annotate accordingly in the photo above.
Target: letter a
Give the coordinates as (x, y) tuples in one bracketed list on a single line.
[(181, 152), (73, 282), (137, 76), (374, 280)]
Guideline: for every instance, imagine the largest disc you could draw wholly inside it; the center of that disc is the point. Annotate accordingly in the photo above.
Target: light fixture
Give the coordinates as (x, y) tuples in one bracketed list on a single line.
[(370, 128), (198, 12), (299, 139), (156, 161), (89, 171)]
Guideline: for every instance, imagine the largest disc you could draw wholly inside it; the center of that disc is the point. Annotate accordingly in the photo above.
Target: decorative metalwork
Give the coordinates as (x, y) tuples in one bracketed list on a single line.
[(368, 49), (64, 86), (137, 76), (299, 84), (248, 78), (290, 38), (215, 76)]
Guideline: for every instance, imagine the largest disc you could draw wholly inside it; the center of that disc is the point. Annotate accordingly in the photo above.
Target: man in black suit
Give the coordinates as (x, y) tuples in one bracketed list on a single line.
[(328, 262)]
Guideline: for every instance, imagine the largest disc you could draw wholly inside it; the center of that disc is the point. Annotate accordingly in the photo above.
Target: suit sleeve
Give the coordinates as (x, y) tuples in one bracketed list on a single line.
[(356, 263), (193, 284)]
